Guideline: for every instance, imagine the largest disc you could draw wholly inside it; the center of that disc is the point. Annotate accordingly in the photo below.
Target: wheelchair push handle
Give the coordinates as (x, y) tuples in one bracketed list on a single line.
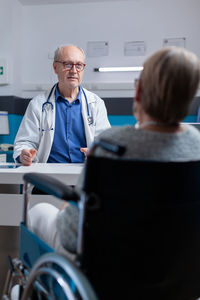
[(51, 186), (108, 146)]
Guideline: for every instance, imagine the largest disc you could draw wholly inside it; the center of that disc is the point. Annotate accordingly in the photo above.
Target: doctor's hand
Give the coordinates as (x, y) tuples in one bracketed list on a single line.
[(85, 151), (27, 156)]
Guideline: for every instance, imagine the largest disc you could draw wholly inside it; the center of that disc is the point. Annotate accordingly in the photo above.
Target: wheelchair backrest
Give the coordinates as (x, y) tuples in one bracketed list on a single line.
[(142, 228)]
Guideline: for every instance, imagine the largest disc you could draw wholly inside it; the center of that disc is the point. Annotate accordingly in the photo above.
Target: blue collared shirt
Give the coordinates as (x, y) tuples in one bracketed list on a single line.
[(69, 134)]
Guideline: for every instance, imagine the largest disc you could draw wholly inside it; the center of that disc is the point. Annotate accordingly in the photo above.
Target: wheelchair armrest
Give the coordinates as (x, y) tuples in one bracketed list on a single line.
[(51, 186)]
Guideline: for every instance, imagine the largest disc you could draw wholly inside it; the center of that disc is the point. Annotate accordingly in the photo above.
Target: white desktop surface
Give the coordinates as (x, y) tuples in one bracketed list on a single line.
[(11, 202), (67, 173)]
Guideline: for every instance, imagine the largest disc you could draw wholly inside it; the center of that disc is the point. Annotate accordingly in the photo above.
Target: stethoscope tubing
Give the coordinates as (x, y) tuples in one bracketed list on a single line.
[(48, 102)]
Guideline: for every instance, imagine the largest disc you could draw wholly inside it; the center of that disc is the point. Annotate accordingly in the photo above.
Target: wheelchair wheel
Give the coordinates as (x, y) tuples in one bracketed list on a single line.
[(54, 277), (15, 280)]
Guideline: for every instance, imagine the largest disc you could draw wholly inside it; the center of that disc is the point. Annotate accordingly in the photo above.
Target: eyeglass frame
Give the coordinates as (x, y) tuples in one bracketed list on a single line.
[(72, 65)]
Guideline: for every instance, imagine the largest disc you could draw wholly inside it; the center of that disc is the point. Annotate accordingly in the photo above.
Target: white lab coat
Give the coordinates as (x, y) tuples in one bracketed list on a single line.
[(30, 134)]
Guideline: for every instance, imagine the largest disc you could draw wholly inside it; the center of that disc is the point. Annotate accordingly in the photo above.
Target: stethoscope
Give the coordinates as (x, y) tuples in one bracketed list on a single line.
[(48, 103)]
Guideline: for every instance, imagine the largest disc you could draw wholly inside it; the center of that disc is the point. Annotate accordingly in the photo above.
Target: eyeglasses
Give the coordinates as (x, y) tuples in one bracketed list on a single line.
[(68, 65)]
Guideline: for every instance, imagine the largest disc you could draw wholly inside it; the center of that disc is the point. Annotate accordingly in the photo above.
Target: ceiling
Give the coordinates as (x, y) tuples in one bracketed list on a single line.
[(44, 2)]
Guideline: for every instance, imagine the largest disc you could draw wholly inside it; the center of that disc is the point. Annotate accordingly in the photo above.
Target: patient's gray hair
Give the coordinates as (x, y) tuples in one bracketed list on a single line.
[(169, 82), (58, 50)]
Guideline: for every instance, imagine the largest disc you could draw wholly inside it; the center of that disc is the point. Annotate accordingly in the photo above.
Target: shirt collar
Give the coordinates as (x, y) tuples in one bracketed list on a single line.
[(59, 96)]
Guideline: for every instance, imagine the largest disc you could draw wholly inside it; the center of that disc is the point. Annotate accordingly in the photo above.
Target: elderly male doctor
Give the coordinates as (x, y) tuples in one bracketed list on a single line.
[(59, 126)]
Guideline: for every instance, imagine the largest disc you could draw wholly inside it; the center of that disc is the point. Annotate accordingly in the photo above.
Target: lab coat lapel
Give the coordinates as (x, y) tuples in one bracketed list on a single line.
[(52, 113), (88, 131)]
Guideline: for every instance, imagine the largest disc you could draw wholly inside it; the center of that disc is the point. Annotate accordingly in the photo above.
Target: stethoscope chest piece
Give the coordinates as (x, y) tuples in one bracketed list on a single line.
[(90, 120)]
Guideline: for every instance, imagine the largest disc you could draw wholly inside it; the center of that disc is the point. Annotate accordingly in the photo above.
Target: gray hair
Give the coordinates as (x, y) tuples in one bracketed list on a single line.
[(57, 51), (169, 82)]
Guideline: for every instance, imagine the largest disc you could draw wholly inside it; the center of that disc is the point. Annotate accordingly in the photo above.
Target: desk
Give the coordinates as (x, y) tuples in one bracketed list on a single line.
[(11, 203), (67, 173)]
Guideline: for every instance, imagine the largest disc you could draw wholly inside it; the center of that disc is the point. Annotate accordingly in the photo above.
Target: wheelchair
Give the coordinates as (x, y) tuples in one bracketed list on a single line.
[(138, 233), (39, 273)]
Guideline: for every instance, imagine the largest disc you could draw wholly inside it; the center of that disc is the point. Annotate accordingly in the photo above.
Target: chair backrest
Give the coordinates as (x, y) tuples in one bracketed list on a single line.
[(142, 229)]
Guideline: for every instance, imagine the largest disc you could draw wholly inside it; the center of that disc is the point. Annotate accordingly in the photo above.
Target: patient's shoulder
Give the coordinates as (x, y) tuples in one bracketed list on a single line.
[(117, 132)]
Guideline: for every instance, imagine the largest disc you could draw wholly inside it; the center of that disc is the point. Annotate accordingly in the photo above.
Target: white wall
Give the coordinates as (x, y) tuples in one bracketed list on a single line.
[(10, 44), (47, 26)]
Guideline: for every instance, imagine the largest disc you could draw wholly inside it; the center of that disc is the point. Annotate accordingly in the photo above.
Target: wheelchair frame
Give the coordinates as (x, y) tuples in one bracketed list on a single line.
[(29, 271)]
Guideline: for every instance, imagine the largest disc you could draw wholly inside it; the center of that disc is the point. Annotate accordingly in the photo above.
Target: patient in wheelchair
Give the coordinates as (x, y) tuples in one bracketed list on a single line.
[(164, 92)]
